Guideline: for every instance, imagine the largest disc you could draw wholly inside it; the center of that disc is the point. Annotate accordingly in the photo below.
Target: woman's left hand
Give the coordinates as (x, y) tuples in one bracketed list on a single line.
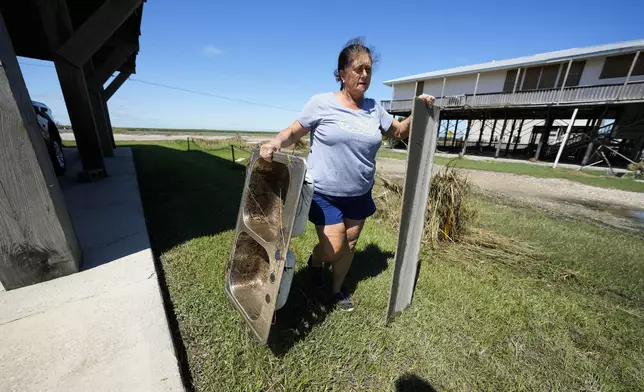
[(428, 99)]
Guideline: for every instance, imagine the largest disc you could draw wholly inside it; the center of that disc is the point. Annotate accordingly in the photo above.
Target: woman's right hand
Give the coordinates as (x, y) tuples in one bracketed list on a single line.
[(267, 149)]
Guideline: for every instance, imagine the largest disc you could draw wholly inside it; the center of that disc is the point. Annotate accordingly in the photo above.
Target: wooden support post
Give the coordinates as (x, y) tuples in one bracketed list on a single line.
[(116, 83), (58, 28), (422, 144), (593, 135), (101, 121), (107, 118), (500, 142), (492, 134), (545, 134), (481, 133), (232, 152), (467, 135), (518, 138), (455, 131), (446, 132), (37, 240), (507, 148)]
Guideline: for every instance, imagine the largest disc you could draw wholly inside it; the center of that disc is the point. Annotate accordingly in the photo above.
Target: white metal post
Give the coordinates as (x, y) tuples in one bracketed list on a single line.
[(443, 90), (565, 139), (563, 84), (476, 85), (630, 72), (516, 81), (422, 145)]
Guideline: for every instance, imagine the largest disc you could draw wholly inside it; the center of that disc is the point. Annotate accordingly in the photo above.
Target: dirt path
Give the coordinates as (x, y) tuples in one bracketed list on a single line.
[(617, 208)]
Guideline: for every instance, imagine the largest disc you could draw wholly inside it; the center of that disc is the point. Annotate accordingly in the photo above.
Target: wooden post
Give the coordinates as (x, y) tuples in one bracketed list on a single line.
[(446, 132), (232, 151), (507, 148), (100, 119), (516, 143), (37, 240), (467, 135), (422, 144), (481, 133), (498, 144), (492, 134), (593, 135), (545, 134), (455, 131)]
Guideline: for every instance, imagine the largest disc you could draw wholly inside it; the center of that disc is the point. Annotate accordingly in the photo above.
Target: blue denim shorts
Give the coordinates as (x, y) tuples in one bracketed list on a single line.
[(330, 210)]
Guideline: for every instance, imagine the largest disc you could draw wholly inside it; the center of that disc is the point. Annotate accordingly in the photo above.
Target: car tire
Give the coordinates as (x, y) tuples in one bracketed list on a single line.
[(55, 147)]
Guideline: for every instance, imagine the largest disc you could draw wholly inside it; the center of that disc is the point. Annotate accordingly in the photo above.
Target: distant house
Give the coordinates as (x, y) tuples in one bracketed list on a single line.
[(604, 82)]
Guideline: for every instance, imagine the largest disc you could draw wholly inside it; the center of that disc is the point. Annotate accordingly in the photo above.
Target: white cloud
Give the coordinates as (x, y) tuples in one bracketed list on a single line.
[(210, 50)]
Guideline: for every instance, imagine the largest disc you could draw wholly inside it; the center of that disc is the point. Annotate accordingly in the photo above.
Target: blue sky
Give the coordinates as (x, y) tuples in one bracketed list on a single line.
[(281, 52)]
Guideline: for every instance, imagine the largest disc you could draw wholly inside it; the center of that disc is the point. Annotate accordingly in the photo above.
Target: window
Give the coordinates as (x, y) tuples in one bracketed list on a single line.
[(510, 77), (548, 76), (618, 66), (531, 78), (574, 75), (419, 87)]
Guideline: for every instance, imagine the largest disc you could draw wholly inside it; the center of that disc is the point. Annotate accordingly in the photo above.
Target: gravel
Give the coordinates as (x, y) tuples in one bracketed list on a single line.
[(612, 207)]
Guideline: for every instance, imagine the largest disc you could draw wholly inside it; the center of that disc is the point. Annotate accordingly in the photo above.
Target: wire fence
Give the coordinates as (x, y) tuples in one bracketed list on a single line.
[(235, 149)]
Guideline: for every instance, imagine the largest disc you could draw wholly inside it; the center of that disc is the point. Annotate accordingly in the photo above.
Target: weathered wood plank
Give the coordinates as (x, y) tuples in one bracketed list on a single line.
[(103, 71), (116, 84), (37, 240), (422, 146)]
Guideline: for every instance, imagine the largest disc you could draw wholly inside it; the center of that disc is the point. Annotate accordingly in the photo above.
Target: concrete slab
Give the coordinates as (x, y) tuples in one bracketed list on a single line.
[(103, 329)]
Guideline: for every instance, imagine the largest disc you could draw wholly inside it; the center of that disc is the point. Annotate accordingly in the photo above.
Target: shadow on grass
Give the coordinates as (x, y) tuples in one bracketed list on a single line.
[(410, 382), (308, 306), (185, 195)]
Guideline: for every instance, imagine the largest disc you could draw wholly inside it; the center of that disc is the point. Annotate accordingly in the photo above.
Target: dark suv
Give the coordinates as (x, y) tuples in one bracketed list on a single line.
[(52, 137)]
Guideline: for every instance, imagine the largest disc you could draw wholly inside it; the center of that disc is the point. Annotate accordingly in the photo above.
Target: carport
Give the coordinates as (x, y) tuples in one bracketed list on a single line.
[(88, 41)]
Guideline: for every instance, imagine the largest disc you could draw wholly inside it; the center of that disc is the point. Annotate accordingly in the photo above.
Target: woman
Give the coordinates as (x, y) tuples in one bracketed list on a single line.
[(346, 131)]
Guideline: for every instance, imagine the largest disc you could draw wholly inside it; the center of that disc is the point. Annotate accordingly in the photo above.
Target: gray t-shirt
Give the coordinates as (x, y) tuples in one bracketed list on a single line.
[(344, 143)]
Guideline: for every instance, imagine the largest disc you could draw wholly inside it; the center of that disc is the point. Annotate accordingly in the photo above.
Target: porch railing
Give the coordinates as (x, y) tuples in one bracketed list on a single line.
[(581, 94)]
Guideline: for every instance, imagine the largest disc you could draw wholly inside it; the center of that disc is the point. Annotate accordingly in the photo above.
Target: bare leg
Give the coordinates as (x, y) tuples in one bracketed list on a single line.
[(342, 265), (337, 246)]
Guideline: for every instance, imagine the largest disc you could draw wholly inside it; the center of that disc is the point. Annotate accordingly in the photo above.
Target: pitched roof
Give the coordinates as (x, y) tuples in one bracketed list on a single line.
[(550, 57)]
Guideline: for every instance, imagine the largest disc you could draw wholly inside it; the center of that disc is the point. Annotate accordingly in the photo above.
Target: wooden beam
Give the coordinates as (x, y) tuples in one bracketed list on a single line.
[(467, 135), (37, 240), (116, 84), (500, 142), (518, 138), (422, 145), (454, 135), (96, 30), (116, 58), (492, 134), (545, 134), (481, 134), (507, 148), (100, 118)]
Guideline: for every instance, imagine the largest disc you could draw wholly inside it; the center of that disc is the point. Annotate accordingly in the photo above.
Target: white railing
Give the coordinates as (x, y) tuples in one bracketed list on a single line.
[(584, 94)]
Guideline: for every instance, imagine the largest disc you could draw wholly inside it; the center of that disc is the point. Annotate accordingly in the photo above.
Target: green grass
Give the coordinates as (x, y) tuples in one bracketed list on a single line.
[(184, 131), (588, 177), (570, 318)]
